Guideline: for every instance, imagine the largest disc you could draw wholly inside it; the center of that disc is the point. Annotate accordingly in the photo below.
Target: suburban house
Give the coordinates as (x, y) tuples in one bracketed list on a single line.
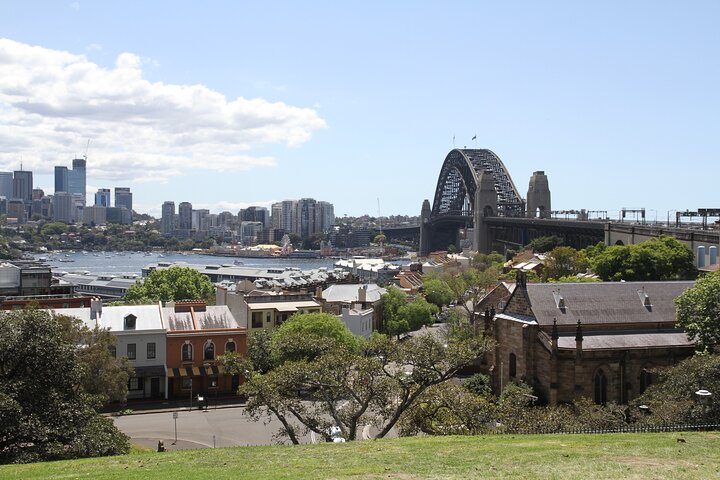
[(197, 334), (258, 309), (358, 297), (597, 340), (141, 333)]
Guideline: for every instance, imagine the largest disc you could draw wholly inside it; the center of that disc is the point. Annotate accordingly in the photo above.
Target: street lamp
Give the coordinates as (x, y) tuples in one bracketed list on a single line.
[(654, 216), (704, 397)]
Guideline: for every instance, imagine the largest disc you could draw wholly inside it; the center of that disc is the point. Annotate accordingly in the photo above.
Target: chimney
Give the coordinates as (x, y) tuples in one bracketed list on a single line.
[(554, 336), (362, 294), (95, 309), (318, 292)]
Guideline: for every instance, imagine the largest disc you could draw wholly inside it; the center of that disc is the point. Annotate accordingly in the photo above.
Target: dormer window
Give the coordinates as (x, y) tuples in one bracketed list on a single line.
[(559, 301), (130, 321), (645, 299)]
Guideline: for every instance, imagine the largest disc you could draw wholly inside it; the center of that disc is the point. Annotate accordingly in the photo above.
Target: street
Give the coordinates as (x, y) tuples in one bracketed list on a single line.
[(224, 427)]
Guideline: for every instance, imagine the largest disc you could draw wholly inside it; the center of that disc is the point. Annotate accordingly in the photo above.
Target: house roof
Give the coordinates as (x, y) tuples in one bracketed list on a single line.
[(605, 303), (212, 317), (610, 340), (147, 317), (349, 293)]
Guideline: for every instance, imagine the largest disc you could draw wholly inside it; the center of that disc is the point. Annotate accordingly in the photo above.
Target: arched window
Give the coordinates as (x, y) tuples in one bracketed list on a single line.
[(600, 389), (187, 352), (209, 351), (513, 365), (645, 380), (230, 346)]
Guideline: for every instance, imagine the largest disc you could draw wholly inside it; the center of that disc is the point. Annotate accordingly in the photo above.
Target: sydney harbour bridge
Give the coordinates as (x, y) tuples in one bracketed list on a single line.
[(477, 204)]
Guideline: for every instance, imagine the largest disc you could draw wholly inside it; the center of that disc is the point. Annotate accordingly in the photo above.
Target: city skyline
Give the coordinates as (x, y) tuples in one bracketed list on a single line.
[(616, 103)]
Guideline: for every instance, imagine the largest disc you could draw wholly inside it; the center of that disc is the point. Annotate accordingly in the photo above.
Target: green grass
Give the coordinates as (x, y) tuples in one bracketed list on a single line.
[(654, 455)]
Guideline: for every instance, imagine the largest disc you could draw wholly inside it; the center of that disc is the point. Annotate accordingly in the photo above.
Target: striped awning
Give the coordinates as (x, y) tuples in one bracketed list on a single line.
[(183, 372), (212, 370)]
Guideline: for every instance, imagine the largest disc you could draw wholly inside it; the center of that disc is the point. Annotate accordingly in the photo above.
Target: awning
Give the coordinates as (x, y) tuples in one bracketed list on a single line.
[(212, 370), (183, 372)]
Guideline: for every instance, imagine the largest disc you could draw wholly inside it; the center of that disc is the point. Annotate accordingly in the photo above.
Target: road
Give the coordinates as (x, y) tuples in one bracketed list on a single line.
[(224, 427)]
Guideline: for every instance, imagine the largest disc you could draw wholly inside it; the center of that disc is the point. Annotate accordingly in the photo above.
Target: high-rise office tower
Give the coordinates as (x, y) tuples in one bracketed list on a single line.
[(123, 198), (6, 184), (324, 216), (102, 197), (23, 185), (185, 216), (61, 179), (167, 222), (255, 214), (63, 207), (76, 179)]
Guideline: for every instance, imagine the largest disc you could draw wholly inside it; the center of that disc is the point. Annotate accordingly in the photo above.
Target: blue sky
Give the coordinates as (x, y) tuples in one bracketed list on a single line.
[(229, 104)]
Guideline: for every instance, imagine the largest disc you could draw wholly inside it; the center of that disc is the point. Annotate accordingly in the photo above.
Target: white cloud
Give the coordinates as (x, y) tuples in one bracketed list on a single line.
[(51, 101), (75, 6)]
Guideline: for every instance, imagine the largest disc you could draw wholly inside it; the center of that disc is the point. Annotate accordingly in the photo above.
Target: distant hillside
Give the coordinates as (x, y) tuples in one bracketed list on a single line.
[(653, 455)]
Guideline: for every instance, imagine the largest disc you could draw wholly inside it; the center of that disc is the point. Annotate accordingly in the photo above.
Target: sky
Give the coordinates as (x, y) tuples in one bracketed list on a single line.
[(228, 104)]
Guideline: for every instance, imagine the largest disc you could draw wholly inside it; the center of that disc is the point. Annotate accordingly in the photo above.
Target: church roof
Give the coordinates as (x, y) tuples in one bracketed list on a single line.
[(604, 302)]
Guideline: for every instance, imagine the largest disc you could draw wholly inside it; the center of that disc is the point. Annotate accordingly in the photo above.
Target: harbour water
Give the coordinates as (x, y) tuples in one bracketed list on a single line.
[(128, 263)]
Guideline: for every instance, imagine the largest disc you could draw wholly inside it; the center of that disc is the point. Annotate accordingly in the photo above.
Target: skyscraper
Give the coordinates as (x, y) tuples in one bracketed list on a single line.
[(185, 216), (76, 179), (23, 185), (123, 198), (61, 179), (6, 184), (102, 197), (168, 218)]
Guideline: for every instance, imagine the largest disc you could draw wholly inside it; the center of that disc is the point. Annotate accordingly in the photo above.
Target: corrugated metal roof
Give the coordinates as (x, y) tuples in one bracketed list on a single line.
[(615, 340)]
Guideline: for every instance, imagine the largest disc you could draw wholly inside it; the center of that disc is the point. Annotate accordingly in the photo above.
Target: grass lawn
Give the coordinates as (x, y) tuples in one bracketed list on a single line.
[(651, 455)]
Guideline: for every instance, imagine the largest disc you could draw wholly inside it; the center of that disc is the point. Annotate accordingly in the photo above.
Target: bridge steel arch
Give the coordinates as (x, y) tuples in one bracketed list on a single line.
[(460, 177), (473, 184)]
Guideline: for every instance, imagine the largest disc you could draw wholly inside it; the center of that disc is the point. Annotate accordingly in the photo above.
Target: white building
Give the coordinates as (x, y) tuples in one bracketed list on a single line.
[(141, 337)]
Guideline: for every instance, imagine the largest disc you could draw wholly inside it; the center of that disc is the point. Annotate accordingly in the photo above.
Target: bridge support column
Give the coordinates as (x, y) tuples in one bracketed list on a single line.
[(485, 204), (424, 249), (538, 196)]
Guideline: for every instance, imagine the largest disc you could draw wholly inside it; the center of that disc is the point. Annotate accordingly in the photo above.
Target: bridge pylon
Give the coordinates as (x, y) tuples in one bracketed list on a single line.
[(485, 204)]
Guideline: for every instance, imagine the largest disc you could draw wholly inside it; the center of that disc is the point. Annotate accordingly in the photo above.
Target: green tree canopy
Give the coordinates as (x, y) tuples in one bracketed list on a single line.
[(698, 311), (305, 336), (662, 258), (545, 244), (563, 262), (436, 291), (174, 283), (46, 413)]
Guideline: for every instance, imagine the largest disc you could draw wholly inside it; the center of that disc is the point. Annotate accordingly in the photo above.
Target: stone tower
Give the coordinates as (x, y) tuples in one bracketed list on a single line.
[(424, 228), (485, 204), (538, 196)]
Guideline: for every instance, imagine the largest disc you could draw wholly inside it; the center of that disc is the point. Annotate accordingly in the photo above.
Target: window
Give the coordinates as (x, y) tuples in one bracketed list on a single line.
[(513, 365), (186, 383), (130, 321), (209, 351), (131, 351), (213, 381), (267, 317), (135, 383), (113, 350), (600, 389), (230, 346), (257, 320), (151, 350), (187, 352)]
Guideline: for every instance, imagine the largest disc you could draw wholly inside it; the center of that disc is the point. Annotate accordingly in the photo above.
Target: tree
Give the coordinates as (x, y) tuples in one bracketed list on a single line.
[(662, 258), (346, 389), (45, 411), (698, 311), (470, 286), (392, 301), (672, 397), (545, 244), (305, 337), (436, 291), (101, 374), (563, 262), (174, 283), (418, 313)]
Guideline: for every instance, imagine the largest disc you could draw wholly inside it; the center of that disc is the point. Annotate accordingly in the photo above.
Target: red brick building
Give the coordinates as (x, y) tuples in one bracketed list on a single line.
[(197, 335)]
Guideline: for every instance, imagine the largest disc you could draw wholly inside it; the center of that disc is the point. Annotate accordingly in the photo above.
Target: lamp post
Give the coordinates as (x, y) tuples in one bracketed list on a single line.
[(654, 216), (191, 393), (668, 216), (704, 397)]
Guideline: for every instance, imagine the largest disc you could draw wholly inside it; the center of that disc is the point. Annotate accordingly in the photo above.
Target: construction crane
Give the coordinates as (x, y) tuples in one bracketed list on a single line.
[(86, 149)]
